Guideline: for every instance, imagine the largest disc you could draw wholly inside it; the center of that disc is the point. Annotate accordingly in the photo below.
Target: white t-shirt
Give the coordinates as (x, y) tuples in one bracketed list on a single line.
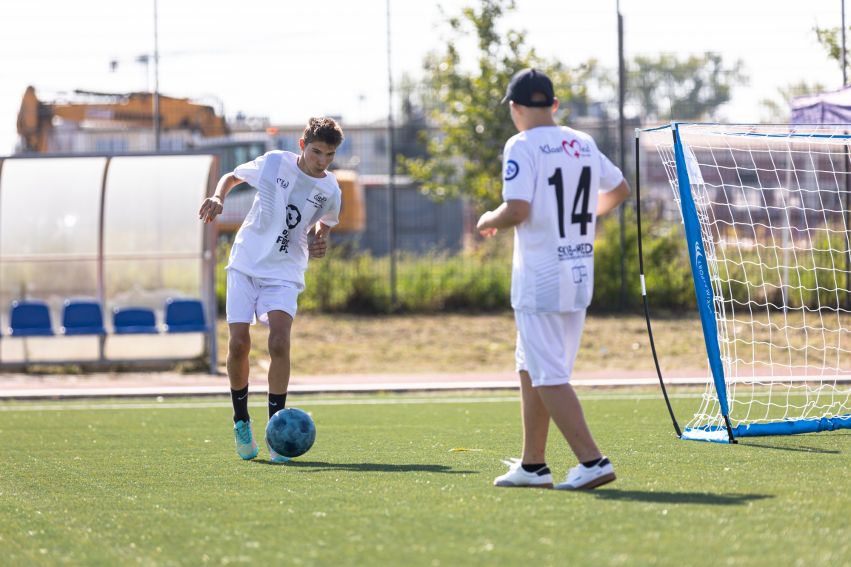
[(272, 241), (559, 171)]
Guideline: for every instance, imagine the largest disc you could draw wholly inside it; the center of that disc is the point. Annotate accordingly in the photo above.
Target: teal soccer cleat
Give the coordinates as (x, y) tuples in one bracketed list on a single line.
[(276, 458), (246, 447)]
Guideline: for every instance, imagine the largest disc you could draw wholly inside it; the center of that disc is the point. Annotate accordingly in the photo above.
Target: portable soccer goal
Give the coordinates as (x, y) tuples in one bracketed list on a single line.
[(765, 212)]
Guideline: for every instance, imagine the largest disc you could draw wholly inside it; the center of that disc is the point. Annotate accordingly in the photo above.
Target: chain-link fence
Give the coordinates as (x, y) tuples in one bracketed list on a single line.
[(396, 248)]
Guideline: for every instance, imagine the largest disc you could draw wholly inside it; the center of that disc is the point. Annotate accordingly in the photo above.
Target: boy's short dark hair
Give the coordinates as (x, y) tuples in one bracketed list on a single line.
[(323, 129)]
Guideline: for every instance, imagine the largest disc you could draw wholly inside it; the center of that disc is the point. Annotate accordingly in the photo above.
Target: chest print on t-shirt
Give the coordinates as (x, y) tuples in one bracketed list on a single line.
[(292, 220), (317, 200)]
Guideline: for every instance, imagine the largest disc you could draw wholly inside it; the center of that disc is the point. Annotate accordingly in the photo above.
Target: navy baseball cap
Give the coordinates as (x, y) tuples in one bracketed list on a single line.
[(527, 82)]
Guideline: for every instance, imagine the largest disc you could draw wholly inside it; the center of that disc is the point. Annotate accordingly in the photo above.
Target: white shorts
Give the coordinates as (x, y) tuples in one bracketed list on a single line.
[(250, 299), (547, 344)]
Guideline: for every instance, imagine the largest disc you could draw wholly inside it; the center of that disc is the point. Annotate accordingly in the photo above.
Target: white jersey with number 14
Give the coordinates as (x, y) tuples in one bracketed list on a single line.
[(559, 171)]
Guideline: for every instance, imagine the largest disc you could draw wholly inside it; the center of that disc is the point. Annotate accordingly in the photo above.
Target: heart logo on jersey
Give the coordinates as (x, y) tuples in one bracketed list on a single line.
[(570, 149)]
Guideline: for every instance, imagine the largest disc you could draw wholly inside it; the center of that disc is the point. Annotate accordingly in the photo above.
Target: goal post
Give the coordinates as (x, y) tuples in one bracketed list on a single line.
[(765, 217)]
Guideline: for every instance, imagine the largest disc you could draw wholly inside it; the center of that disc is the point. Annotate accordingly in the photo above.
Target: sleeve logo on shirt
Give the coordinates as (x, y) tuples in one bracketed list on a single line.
[(283, 183), (511, 169)]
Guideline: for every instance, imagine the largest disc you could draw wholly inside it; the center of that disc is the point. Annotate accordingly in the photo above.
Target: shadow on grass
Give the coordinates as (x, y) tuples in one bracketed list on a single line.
[(800, 449), (662, 497), (365, 467)]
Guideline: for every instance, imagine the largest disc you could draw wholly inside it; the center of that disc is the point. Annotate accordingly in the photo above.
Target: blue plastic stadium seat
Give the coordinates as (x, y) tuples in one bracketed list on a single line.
[(184, 316), (30, 318), (82, 317), (134, 320)]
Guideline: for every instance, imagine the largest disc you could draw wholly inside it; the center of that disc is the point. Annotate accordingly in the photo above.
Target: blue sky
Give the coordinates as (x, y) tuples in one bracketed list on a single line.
[(288, 60)]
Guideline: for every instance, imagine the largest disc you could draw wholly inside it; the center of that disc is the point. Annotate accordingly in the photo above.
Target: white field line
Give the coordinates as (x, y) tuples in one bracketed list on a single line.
[(305, 403), (144, 391), (113, 391), (118, 391)]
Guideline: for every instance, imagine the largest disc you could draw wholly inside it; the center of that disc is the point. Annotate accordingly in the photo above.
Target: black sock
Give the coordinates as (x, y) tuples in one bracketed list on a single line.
[(602, 461), (534, 467), (276, 402), (240, 404)]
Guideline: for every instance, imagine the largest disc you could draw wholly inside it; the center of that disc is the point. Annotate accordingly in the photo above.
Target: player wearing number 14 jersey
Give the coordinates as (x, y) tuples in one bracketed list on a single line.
[(555, 185), (559, 172)]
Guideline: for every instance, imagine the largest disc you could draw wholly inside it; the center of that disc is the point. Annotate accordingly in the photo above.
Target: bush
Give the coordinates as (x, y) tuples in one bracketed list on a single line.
[(480, 279), (666, 266)]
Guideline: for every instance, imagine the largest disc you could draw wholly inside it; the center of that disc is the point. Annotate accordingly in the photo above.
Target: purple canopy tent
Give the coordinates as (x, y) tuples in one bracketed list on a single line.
[(823, 108)]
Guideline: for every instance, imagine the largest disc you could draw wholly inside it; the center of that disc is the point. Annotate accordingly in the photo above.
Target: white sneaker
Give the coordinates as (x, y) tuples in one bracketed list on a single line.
[(581, 477), (516, 476)]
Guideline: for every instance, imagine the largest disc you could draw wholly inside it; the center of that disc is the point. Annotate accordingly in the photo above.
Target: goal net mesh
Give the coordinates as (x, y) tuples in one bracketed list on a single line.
[(772, 209)]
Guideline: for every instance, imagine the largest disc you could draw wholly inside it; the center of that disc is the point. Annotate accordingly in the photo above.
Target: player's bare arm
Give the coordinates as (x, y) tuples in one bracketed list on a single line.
[(510, 213), (213, 205), (608, 201)]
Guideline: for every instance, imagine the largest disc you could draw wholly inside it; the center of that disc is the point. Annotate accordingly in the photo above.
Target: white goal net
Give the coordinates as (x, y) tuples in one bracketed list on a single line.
[(767, 225)]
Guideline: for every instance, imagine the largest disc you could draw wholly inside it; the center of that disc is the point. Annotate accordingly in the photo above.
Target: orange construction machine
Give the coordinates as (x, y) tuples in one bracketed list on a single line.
[(37, 120)]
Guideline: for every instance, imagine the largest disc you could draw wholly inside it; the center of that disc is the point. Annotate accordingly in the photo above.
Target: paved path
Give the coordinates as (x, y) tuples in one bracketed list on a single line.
[(115, 384)]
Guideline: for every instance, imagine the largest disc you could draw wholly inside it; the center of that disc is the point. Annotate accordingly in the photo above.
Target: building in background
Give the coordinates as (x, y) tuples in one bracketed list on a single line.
[(114, 123)]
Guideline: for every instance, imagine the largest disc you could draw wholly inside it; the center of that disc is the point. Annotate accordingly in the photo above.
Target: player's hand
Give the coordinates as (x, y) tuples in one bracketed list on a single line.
[(482, 227), (318, 247), (210, 209)]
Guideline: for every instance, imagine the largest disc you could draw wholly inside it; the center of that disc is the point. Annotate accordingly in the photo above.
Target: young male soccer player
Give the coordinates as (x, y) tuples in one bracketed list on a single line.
[(556, 183), (265, 273)]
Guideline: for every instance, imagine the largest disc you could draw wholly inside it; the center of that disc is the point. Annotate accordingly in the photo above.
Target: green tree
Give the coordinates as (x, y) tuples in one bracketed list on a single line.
[(465, 153), (831, 40), (666, 87), (411, 133)]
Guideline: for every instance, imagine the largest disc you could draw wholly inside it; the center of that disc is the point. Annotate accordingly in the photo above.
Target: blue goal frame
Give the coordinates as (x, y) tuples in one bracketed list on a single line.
[(706, 307)]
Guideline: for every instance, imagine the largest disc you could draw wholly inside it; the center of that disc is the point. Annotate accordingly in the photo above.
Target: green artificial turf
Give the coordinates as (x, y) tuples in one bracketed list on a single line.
[(406, 480)]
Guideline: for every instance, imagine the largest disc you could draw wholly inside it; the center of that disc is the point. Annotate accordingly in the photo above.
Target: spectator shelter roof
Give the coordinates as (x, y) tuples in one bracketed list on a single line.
[(823, 108), (118, 232)]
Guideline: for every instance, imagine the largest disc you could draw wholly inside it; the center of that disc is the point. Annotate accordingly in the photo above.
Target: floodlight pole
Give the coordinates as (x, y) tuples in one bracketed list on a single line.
[(844, 70), (391, 178), (156, 82), (622, 148)]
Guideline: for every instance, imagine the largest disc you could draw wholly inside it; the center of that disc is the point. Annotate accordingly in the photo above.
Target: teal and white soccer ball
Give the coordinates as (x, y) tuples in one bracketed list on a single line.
[(291, 432)]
